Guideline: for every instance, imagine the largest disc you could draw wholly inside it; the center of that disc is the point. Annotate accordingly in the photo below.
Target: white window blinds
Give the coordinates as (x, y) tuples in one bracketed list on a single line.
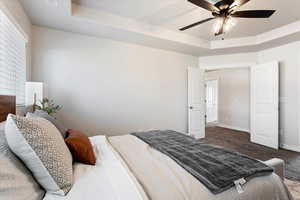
[(12, 60)]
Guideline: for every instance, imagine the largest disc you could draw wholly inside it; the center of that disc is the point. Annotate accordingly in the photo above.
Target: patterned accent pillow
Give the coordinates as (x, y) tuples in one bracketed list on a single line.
[(42, 114), (40, 146), (16, 182)]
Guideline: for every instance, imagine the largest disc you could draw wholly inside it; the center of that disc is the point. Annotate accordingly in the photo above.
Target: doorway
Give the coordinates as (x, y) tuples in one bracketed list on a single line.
[(211, 99), (228, 98), (246, 102)]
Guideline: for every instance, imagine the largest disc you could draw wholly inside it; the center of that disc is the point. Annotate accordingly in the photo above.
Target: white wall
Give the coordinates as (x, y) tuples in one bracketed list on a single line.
[(229, 60), (111, 87), (233, 97), (288, 56)]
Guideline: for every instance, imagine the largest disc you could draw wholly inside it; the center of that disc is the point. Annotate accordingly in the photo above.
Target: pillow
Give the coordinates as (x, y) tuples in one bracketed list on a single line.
[(80, 147), (45, 115), (40, 146), (16, 182)]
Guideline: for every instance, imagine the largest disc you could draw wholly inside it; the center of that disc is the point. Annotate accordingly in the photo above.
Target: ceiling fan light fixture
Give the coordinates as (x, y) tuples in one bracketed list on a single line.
[(53, 2), (230, 23), (227, 28), (218, 24), (227, 24)]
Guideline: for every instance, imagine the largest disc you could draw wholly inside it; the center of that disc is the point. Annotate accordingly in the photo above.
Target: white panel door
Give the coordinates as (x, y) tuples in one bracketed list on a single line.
[(196, 105), (211, 101), (264, 104)]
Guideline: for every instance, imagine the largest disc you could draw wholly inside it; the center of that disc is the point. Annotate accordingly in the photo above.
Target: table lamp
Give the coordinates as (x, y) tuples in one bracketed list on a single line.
[(33, 94)]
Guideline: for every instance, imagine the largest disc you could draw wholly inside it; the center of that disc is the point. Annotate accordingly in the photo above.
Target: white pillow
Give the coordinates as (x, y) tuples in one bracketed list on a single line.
[(16, 181), (2, 126), (40, 146)]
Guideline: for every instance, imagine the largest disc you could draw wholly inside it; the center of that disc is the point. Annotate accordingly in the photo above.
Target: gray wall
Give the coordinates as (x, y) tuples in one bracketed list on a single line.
[(110, 87), (233, 97)]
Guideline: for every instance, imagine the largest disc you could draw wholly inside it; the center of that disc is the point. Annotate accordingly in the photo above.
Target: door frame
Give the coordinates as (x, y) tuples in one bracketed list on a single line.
[(212, 79), (248, 65), (228, 66)]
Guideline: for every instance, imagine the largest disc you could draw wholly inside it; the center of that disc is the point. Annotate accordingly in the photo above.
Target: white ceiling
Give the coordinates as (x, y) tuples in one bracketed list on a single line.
[(173, 14), (155, 23)]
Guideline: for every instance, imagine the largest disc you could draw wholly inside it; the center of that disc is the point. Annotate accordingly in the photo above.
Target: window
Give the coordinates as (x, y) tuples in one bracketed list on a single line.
[(12, 60)]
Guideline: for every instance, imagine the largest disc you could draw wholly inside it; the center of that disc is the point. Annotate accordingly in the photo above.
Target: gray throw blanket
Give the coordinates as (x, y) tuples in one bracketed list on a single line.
[(215, 167)]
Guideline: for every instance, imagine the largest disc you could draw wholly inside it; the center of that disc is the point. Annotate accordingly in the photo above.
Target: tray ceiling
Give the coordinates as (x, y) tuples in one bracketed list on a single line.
[(173, 14), (155, 23)]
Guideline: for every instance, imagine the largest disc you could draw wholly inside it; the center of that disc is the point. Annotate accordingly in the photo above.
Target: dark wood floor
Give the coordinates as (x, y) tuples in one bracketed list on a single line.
[(240, 142)]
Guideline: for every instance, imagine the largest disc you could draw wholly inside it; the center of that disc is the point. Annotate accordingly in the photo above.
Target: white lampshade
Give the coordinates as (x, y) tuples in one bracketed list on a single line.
[(33, 93)]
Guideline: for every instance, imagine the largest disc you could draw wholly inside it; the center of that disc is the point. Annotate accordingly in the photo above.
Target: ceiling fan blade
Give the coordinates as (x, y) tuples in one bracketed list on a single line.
[(196, 24), (237, 4), (253, 13), (204, 4)]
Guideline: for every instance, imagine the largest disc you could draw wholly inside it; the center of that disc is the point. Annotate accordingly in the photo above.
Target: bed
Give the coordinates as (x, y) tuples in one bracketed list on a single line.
[(128, 168)]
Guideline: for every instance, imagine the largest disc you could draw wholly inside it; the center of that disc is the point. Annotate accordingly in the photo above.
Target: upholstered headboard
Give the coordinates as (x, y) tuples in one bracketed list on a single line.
[(7, 105)]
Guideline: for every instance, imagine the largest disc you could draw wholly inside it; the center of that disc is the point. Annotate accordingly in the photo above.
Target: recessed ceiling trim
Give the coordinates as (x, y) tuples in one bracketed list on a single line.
[(7, 12), (108, 19), (283, 31), (259, 39), (128, 24)]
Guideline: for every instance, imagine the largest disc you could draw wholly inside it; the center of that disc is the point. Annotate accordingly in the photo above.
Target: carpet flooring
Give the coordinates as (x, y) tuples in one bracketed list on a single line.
[(240, 142), (294, 188)]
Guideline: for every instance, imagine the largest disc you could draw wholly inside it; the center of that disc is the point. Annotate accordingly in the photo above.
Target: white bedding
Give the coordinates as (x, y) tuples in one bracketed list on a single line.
[(163, 179), (153, 173), (108, 180)]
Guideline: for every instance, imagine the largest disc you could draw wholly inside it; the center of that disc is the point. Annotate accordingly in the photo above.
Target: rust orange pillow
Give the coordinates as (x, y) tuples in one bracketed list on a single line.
[(80, 147)]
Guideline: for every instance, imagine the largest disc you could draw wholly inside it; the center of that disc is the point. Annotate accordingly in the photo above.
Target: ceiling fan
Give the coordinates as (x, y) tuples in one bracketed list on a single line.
[(224, 11)]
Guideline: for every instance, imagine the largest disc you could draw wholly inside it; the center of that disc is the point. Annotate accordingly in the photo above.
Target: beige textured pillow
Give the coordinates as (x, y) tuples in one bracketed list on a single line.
[(40, 146), (16, 182)]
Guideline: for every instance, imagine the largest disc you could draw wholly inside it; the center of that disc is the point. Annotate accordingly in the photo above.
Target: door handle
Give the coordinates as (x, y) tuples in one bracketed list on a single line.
[(191, 107)]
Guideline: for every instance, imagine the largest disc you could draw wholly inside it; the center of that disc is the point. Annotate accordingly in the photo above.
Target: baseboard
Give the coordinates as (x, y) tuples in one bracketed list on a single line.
[(283, 146), (233, 127), (290, 147)]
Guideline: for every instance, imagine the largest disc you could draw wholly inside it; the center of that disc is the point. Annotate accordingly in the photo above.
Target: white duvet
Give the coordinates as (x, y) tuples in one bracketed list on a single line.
[(153, 175), (108, 180)]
